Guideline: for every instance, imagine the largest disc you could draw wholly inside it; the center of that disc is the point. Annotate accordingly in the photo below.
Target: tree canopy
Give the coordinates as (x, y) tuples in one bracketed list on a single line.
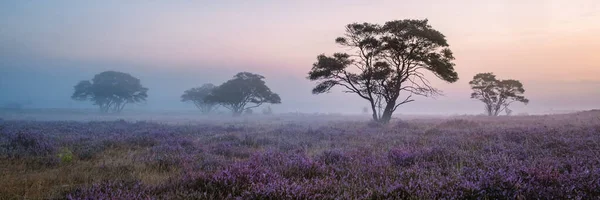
[(111, 91), (198, 97), (386, 62), (496, 94), (245, 91)]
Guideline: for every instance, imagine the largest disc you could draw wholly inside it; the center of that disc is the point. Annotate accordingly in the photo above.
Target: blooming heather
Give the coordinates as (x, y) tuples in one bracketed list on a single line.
[(522, 157)]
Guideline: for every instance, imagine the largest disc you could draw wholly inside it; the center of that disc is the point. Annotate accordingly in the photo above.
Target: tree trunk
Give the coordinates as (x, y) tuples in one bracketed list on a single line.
[(387, 112), (374, 109), (237, 112), (122, 107), (104, 107), (489, 110), (496, 110)]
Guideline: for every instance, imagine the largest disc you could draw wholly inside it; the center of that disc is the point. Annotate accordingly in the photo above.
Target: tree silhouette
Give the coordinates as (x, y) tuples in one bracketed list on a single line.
[(198, 97), (496, 94), (386, 62), (245, 91), (111, 91), (267, 111)]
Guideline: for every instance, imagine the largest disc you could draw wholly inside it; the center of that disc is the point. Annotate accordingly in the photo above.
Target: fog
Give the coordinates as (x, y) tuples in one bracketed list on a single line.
[(46, 48), (182, 99)]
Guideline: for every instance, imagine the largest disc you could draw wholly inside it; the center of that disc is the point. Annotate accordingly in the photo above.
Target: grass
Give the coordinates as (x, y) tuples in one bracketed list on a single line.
[(553, 156)]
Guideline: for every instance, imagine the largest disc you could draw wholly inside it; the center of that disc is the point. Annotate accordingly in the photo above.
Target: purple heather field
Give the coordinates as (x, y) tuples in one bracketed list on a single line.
[(300, 100), (300, 157)]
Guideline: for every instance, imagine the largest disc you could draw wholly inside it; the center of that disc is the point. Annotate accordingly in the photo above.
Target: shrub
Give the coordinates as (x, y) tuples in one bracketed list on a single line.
[(65, 155), (87, 152), (301, 167), (165, 157), (112, 190), (401, 124), (458, 124), (24, 144), (402, 157), (333, 157), (252, 141), (142, 141), (230, 150), (374, 124)]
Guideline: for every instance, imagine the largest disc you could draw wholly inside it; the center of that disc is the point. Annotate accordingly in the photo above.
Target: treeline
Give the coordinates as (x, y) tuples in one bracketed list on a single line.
[(384, 64), (111, 91)]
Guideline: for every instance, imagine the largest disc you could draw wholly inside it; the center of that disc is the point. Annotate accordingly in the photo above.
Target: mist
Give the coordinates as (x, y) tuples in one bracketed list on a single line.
[(45, 49), (340, 99)]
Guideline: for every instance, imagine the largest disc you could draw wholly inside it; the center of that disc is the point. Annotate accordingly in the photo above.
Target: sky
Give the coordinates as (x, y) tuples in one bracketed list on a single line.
[(46, 47)]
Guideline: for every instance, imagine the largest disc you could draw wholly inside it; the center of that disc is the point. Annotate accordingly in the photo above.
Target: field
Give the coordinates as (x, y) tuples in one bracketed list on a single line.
[(284, 157)]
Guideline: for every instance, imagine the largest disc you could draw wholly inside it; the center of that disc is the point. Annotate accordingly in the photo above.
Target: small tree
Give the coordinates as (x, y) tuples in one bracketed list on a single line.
[(267, 111), (387, 62), (198, 97), (111, 91), (245, 91), (365, 110), (496, 94)]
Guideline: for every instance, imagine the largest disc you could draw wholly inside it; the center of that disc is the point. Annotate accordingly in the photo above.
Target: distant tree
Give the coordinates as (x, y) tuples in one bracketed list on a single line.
[(387, 61), (111, 91), (267, 111), (365, 110), (198, 97), (248, 111), (245, 91), (496, 94)]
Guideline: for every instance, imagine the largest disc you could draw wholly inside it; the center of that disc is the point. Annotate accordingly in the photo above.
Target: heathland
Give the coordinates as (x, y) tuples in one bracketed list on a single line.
[(302, 157)]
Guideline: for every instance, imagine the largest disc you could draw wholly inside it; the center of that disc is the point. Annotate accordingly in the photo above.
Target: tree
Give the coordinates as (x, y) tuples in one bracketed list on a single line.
[(386, 62), (111, 91), (267, 111), (245, 91), (496, 94), (198, 97)]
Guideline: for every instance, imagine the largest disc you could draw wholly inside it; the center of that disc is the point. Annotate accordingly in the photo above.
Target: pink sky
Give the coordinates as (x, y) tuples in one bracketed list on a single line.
[(507, 37), (553, 46)]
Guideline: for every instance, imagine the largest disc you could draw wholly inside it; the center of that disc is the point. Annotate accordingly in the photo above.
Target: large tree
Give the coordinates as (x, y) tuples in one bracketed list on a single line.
[(496, 94), (245, 91), (198, 95), (386, 62), (111, 91)]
